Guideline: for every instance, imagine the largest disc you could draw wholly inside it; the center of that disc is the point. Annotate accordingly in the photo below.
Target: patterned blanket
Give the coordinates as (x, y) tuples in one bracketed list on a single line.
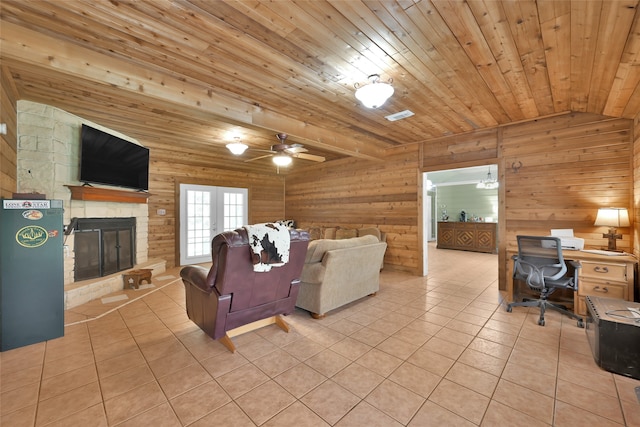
[(269, 245)]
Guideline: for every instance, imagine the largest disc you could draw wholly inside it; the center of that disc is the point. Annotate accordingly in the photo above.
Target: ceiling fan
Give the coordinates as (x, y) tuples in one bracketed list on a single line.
[(282, 153)]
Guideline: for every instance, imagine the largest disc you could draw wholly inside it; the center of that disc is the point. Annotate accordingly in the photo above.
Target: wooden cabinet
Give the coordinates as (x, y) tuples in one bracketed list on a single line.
[(467, 236), (612, 277)]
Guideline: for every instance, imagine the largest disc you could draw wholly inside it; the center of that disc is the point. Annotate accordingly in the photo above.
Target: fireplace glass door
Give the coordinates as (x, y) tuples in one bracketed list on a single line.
[(103, 246), (116, 251)]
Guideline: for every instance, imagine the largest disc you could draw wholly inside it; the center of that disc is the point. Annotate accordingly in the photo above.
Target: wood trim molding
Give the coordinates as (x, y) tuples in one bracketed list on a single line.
[(83, 192)]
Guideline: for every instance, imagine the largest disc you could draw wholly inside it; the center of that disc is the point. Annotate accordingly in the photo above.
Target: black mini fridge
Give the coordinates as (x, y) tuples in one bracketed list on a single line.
[(31, 272)]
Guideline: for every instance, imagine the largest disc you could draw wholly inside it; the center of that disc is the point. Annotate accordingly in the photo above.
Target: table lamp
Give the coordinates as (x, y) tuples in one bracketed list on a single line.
[(612, 218)]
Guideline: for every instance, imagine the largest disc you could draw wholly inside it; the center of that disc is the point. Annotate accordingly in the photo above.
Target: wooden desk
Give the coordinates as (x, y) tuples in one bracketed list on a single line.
[(600, 275)]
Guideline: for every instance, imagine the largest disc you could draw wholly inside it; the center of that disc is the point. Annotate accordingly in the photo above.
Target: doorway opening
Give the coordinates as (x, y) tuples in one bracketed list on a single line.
[(455, 195)]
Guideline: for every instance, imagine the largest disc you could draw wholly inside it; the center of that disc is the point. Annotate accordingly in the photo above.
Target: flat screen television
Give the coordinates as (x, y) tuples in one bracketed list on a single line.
[(107, 159)]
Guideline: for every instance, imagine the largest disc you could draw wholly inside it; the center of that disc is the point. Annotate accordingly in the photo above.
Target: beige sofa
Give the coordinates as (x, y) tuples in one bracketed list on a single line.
[(317, 232), (337, 272)]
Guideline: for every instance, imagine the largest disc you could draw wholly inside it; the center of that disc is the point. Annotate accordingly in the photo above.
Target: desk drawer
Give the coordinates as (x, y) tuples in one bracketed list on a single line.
[(604, 271), (599, 289), (602, 289)]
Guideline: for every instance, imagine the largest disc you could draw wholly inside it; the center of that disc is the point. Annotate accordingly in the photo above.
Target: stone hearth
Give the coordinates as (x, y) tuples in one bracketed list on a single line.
[(78, 293)]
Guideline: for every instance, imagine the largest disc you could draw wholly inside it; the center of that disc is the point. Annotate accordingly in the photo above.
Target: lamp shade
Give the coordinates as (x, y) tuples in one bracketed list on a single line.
[(613, 217)]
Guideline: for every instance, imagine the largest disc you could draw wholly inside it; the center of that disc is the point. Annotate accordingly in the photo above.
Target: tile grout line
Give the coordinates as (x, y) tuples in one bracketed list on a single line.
[(120, 306)]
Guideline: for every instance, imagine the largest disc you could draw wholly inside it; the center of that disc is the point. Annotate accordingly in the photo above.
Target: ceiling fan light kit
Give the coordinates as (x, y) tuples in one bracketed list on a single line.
[(375, 93), (282, 160), (237, 148), (282, 154)]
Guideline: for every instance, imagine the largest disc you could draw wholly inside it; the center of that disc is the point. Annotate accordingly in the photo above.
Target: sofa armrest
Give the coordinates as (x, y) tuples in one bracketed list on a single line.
[(197, 276), (313, 272)]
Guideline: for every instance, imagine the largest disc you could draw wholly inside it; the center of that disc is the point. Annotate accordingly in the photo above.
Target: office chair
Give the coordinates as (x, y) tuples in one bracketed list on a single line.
[(541, 265)]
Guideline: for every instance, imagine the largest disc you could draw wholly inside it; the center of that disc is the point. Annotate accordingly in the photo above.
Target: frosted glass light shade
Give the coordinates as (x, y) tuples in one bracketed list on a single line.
[(282, 160), (237, 148), (374, 94)]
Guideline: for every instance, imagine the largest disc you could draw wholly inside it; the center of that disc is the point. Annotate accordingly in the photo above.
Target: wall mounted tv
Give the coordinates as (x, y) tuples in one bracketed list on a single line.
[(107, 159)]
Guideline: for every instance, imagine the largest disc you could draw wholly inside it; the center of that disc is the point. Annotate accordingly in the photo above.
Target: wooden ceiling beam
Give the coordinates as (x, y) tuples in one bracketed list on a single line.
[(23, 45)]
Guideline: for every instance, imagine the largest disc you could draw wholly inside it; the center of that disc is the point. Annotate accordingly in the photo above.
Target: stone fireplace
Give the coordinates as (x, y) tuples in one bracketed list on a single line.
[(110, 238), (48, 163)]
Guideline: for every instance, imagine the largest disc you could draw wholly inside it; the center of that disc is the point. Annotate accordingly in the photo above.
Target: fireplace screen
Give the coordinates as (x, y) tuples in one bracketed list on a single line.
[(103, 246)]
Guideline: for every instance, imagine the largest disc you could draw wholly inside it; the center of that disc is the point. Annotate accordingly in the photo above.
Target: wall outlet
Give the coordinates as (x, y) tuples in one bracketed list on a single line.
[(161, 211)]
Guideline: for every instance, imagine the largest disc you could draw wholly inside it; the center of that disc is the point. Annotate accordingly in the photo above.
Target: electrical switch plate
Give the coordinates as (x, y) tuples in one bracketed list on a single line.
[(161, 211)]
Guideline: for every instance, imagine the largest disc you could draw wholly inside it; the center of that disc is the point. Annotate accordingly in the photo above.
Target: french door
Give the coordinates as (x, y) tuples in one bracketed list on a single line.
[(204, 212)]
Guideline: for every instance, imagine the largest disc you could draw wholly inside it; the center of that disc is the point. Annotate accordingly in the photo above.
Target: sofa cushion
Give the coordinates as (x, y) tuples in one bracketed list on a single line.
[(330, 233), (346, 233), (315, 233), (370, 231), (317, 248)]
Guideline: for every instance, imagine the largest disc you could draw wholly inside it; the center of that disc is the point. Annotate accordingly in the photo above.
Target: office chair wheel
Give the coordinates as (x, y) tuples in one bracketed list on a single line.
[(509, 308), (541, 322), (580, 324)]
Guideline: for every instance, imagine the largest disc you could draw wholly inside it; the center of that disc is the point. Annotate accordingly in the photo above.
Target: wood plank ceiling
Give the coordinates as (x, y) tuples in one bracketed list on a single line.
[(179, 75)]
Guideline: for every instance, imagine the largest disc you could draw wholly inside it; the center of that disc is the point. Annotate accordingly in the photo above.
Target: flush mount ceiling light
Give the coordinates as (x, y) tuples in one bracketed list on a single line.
[(282, 160), (488, 184), (374, 94), (237, 147)]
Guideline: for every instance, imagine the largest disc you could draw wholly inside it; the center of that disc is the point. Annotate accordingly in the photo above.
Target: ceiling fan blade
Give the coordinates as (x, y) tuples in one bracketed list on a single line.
[(258, 158), (296, 148), (306, 156)]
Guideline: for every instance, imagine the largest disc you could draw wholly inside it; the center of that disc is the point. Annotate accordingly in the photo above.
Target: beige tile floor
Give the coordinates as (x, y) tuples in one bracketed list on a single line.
[(433, 351)]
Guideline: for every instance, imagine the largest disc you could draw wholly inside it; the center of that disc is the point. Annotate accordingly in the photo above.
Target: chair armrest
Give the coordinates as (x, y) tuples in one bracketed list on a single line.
[(575, 264), (576, 272), (197, 276)]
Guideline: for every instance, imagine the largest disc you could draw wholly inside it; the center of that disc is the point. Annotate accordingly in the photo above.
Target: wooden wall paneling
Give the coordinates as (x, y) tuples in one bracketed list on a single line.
[(567, 173), (8, 142), (266, 199), (636, 184), (475, 146), (355, 193)]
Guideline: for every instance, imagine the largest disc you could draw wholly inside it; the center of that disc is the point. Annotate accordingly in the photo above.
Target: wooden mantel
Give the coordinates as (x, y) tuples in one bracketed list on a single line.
[(85, 192)]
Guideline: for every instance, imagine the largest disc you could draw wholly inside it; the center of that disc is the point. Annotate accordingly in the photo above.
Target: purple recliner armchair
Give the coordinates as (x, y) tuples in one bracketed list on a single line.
[(231, 294)]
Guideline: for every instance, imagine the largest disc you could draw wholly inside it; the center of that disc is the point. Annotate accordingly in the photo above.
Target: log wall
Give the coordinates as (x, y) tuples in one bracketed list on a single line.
[(8, 142), (636, 185), (266, 198), (567, 167), (554, 173), (356, 193)]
